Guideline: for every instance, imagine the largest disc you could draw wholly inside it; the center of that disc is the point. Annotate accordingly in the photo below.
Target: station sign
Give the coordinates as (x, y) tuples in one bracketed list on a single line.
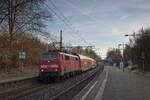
[(22, 55)]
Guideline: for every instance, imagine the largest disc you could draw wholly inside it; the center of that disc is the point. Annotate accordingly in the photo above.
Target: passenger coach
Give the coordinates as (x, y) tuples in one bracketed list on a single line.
[(86, 63)]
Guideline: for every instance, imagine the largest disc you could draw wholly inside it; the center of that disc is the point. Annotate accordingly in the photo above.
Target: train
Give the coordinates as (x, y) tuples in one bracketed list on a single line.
[(58, 65)]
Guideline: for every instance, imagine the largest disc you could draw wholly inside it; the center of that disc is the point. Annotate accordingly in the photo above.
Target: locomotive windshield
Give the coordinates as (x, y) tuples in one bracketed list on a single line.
[(49, 56)]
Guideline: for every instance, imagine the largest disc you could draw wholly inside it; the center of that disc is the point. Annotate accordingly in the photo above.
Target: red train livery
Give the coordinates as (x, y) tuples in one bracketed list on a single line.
[(60, 64)]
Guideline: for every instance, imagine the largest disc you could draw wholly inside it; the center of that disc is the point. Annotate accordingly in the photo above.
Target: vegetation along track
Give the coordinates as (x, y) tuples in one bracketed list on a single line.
[(40, 91)]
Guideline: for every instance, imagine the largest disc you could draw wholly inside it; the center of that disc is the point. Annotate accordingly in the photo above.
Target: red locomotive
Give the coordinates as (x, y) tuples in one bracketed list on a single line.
[(60, 64)]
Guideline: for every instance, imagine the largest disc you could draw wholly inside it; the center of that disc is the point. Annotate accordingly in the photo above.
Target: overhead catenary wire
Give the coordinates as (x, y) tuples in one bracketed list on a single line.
[(65, 20), (62, 17), (47, 37), (76, 31)]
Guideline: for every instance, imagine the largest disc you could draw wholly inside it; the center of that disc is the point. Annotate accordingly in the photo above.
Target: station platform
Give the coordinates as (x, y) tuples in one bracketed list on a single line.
[(15, 75), (9, 78)]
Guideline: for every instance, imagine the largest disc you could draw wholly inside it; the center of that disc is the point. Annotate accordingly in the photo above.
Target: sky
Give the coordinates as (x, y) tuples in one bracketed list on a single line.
[(101, 23)]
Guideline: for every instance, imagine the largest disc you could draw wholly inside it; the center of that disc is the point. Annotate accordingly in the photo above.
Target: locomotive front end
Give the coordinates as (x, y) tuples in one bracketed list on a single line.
[(49, 65)]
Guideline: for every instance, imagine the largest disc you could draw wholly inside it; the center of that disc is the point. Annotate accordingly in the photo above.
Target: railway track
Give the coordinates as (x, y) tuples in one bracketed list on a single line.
[(8, 87), (38, 91), (72, 91)]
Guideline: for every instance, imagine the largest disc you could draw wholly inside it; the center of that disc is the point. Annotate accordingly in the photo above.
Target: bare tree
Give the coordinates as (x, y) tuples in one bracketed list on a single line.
[(22, 16), (114, 56)]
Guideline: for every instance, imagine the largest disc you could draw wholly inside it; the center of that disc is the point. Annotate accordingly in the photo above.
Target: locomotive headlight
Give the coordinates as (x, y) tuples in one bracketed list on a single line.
[(42, 70), (54, 66)]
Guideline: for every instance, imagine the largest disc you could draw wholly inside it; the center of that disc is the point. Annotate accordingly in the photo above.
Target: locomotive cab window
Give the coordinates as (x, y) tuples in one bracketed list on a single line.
[(76, 59), (49, 56), (67, 57), (72, 58)]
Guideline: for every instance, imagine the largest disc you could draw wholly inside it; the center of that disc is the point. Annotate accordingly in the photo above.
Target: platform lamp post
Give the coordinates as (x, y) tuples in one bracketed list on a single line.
[(130, 35), (122, 58)]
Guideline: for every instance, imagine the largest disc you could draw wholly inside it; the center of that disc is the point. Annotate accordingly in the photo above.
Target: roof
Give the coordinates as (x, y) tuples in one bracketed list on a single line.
[(68, 54), (85, 57)]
